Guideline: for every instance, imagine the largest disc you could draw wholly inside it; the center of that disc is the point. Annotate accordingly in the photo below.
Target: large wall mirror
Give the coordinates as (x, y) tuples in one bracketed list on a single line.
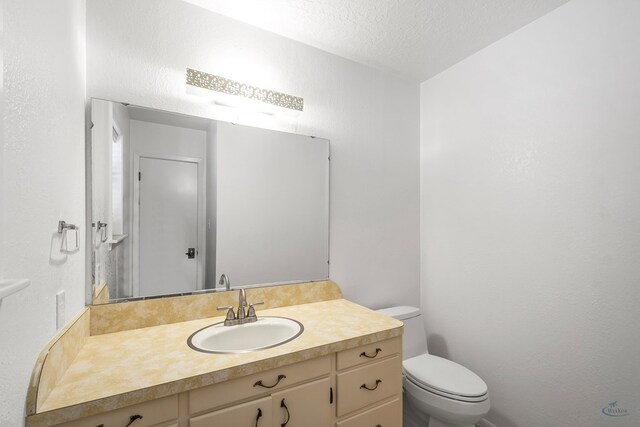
[(177, 201)]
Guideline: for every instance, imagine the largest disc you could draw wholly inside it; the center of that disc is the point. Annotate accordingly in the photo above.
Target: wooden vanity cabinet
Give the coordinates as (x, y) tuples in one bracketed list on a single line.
[(387, 414), (297, 395), (156, 413), (369, 385), (359, 387), (307, 405), (257, 385), (256, 413)]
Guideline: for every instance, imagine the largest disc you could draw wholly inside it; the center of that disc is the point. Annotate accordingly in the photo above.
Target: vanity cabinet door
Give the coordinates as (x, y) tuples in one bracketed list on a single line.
[(386, 415), (255, 385), (256, 413), (159, 412), (307, 405), (369, 353), (368, 384)]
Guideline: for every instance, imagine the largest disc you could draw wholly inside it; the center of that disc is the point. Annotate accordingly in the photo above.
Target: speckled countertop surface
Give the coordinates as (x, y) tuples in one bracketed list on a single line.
[(123, 368)]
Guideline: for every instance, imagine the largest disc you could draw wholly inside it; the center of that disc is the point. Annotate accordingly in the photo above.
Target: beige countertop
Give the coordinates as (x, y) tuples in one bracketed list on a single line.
[(118, 369)]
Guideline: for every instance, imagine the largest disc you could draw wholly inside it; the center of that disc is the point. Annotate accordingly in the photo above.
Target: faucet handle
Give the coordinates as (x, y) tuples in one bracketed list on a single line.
[(252, 311), (230, 314)]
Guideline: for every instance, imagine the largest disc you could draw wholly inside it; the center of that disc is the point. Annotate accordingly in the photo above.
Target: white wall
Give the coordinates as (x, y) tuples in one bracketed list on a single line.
[(210, 277), (165, 140), (530, 208), (41, 182), (138, 52), (272, 216)]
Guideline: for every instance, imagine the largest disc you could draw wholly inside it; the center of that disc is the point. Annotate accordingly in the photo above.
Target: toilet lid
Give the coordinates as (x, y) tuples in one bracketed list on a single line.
[(444, 375)]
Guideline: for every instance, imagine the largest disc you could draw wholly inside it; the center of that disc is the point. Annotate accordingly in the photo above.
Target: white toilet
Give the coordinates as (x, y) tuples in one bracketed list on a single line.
[(439, 392)]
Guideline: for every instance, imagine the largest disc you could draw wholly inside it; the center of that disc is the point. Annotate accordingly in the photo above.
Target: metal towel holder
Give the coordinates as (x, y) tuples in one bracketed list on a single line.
[(101, 227), (63, 228)]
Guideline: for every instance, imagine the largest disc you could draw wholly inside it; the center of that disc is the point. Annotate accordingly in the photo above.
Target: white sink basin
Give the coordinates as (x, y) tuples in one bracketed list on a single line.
[(267, 332)]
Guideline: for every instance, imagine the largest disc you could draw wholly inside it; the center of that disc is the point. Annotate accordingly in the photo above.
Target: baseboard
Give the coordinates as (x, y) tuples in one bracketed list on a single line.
[(485, 423)]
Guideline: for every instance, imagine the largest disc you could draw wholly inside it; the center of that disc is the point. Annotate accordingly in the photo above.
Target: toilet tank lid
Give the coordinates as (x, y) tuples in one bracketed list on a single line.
[(402, 312)]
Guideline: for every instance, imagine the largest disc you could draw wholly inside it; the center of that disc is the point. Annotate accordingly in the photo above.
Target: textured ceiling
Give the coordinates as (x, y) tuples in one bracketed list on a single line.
[(415, 39)]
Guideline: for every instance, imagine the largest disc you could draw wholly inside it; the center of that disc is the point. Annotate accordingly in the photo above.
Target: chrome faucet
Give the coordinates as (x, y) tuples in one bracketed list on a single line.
[(224, 280), (241, 316), (242, 302)]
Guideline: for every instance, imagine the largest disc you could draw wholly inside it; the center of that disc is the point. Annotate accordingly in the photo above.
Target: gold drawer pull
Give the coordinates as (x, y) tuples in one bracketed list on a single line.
[(378, 381), (259, 383), (364, 354)]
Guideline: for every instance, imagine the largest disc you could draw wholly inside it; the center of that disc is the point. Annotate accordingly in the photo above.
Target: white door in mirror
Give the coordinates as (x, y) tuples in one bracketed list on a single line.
[(168, 226)]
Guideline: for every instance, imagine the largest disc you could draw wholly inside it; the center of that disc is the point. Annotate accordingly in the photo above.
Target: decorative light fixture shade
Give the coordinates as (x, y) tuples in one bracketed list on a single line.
[(221, 85)]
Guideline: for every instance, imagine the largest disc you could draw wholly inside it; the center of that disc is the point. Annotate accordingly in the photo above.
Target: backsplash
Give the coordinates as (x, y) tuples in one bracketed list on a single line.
[(124, 316)]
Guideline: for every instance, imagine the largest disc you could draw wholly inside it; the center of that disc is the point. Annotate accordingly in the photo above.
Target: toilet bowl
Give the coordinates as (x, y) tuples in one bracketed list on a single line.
[(437, 391)]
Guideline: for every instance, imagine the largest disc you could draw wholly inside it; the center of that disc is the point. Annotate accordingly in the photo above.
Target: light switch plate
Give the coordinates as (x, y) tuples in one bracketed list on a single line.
[(60, 320)]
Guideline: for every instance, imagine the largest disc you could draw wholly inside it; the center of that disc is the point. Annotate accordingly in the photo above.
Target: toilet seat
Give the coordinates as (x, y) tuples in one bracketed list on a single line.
[(450, 412), (445, 378)]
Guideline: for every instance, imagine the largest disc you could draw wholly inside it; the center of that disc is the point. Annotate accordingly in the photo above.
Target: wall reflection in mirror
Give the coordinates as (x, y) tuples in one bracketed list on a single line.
[(179, 201)]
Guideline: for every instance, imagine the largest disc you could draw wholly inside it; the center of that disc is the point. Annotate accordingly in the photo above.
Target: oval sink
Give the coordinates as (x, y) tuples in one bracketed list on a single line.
[(267, 332)]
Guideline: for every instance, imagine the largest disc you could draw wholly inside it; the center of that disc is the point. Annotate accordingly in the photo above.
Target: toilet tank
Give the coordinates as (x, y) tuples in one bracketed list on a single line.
[(414, 339)]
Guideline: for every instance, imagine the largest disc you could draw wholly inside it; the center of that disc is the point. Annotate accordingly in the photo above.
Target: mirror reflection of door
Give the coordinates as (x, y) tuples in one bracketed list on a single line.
[(168, 226)]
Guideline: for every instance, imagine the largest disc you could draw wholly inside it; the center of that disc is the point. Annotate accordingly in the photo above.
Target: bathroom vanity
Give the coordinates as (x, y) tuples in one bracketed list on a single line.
[(129, 364), (137, 362)]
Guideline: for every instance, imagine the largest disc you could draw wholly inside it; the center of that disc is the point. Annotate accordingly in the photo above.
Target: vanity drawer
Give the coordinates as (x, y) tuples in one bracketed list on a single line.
[(368, 384), (250, 414), (153, 413), (368, 353), (216, 395), (386, 415)]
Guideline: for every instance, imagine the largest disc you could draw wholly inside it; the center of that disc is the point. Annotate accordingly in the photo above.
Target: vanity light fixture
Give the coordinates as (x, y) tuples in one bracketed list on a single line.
[(232, 93)]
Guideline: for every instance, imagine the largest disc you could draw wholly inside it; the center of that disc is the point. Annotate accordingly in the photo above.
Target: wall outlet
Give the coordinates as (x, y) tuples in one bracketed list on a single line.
[(60, 310)]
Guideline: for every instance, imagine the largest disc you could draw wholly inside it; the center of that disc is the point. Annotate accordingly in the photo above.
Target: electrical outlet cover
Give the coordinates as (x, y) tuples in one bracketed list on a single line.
[(60, 310)]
